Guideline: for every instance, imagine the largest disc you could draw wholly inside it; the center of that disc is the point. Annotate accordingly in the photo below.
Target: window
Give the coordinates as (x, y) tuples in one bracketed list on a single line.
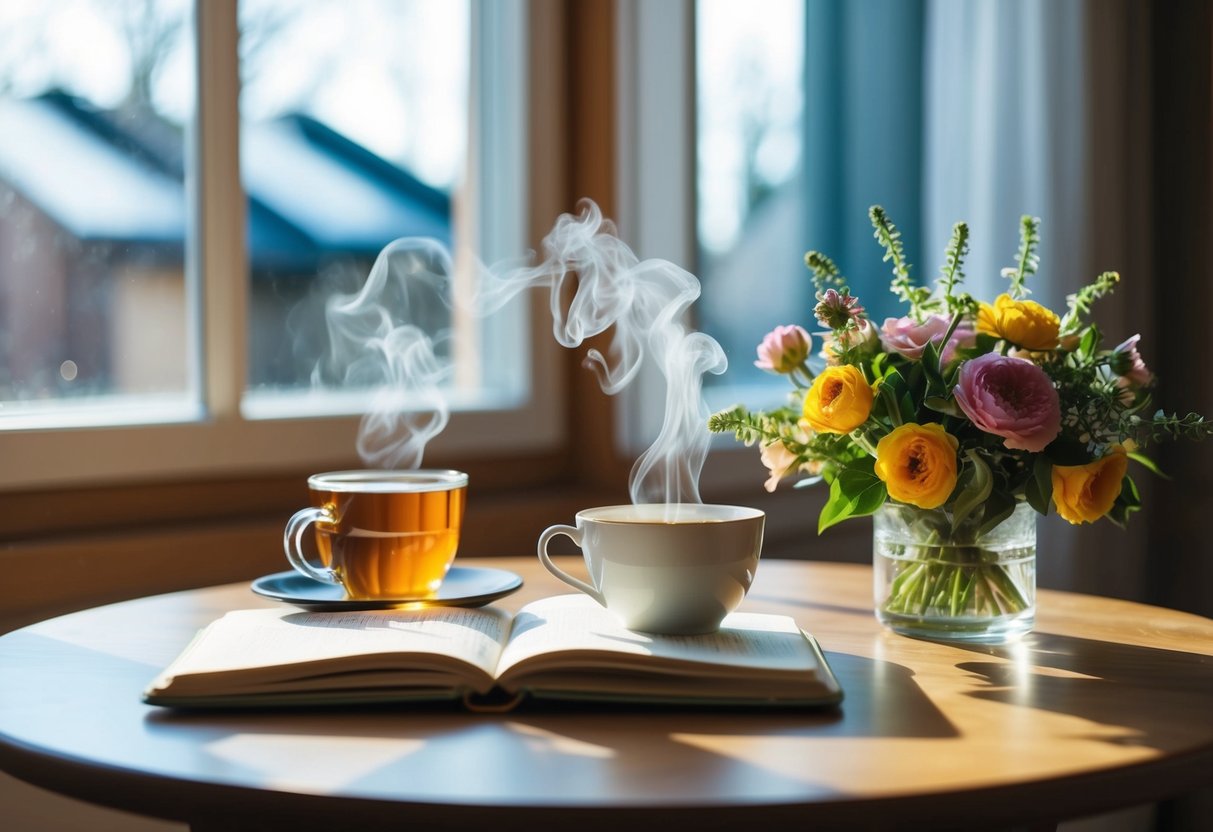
[(749, 83), (806, 114), (182, 346), (95, 99), (354, 124)]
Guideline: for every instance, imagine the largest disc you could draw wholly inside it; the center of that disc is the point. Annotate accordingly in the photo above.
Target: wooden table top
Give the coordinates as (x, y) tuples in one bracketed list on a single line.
[(1107, 704)]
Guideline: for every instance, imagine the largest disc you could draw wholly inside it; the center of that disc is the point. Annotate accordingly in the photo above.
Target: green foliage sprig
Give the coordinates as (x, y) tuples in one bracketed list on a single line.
[(952, 273), (902, 285), (1026, 259), (1079, 304), (1163, 426), (750, 427), (825, 272)]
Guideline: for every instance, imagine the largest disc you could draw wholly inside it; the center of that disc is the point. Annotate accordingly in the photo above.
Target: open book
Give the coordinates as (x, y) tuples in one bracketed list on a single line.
[(565, 647)]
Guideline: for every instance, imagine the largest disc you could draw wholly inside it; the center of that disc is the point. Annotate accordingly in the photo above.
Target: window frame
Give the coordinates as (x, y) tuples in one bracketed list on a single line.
[(218, 438), (656, 140), (655, 182)]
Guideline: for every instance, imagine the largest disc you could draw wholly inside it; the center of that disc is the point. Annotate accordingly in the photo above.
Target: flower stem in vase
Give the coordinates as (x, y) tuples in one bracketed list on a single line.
[(934, 581)]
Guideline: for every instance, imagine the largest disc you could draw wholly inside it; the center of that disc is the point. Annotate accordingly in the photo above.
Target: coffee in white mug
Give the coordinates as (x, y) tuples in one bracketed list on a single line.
[(673, 568)]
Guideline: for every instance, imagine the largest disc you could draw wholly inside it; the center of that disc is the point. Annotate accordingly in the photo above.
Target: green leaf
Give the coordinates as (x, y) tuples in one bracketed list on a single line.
[(855, 492), (892, 408), (979, 484), (941, 405), (1149, 464), (878, 363), (998, 508), (1089, 342), (1127, 502), (984, 343), (1039, 487), (930, 366), (895, 386)]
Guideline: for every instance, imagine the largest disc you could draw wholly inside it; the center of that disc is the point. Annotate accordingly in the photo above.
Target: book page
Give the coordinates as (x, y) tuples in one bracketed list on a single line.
[(271, 643), (555, 630)]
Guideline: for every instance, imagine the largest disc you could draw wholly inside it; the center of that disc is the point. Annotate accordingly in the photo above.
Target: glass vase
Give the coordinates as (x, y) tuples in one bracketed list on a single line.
[(962, 583)]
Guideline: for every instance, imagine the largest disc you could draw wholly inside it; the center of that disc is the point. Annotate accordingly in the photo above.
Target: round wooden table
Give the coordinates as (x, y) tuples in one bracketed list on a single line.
[(1107, 704)]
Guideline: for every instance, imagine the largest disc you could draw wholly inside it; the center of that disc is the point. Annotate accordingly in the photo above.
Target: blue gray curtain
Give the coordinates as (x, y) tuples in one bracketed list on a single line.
[(983, 110), (864, 135)]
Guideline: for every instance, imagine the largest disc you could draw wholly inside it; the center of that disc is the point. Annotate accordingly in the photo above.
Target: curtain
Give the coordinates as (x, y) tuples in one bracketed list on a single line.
[(1005, 136), (863, 135), (944, 110), (1008, 132)]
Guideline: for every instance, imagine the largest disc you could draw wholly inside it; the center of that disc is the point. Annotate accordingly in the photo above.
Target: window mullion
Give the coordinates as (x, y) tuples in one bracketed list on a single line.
[(216, 264), (655, 138)]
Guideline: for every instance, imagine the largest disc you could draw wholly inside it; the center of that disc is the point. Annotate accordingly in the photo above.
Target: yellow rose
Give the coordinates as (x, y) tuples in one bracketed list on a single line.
[(1084, 493), (918, 464), (1024, 323), (838, 401)]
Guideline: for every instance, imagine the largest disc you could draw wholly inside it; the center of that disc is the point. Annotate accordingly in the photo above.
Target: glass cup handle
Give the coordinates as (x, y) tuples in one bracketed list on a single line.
[(574, 534), (292, 543)]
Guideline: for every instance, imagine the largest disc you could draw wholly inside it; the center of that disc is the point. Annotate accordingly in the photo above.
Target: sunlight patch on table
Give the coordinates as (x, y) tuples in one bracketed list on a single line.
[(316, 764), (541, 740), (843, 765)]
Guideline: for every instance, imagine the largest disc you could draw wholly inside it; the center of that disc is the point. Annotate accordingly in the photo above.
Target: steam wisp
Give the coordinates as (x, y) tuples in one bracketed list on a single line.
[(595, 282), (374, 342)]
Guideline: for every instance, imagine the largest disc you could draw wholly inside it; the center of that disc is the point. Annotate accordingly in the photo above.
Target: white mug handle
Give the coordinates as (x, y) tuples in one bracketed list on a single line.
[(574, 534), (292, 543)]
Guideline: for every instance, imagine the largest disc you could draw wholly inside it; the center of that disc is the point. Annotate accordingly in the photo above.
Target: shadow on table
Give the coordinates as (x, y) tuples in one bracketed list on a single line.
[(586, 748), (1141, 689)]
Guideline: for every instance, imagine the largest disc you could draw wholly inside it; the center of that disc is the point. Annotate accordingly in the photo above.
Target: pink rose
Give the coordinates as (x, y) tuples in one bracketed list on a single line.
[(783, 349), (1011, 398), (779, 461), (909, 338), (782, 462)]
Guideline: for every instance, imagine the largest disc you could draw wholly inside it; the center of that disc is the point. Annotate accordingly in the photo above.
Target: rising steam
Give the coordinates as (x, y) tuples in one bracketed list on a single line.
[(375, 342), (595, 283)]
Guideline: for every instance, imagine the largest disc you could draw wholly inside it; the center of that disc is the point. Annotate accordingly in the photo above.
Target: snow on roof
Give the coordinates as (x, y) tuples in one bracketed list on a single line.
[(312, 191), (90, 187)]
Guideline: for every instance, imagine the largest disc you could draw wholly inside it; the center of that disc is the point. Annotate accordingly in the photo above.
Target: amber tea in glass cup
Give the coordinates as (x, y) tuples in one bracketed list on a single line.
[(381, 534)]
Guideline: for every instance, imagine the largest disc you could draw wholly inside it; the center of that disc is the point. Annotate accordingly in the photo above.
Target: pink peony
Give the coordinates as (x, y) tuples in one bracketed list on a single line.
[(783, 349), (1011, 398), (910, 338)]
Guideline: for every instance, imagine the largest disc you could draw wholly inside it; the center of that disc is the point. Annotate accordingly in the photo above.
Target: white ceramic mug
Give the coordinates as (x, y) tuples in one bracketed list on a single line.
[(673, 568)]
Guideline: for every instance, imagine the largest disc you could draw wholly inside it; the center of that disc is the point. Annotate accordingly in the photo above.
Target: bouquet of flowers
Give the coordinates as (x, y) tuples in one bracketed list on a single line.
[(958, 413)]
